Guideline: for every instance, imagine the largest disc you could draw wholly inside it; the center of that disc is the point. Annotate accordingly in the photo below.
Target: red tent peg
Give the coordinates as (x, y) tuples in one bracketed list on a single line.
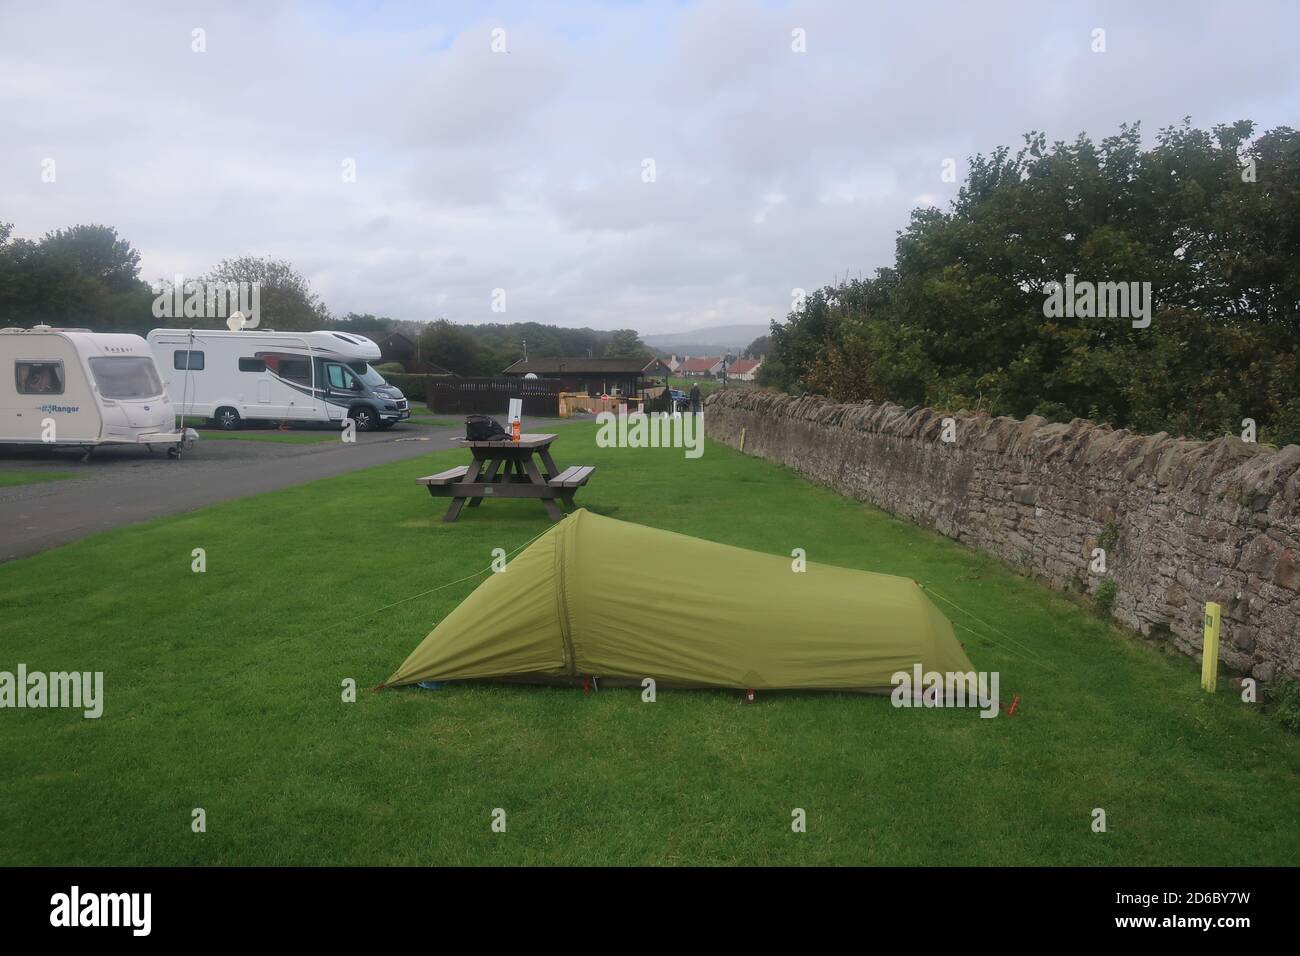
[(586, 685)]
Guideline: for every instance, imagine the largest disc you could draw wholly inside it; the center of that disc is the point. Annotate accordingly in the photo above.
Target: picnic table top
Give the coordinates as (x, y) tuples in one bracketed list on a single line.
[(525, 441)]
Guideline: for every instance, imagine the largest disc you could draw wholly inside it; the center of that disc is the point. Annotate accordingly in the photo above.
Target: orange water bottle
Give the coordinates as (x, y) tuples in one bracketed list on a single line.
[(515, 415)]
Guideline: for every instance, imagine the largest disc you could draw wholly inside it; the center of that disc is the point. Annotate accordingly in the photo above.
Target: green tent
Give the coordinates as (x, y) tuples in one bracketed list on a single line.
[(604, 598)]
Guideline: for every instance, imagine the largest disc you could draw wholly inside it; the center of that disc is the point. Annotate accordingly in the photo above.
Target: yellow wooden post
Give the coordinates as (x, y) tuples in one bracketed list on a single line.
[(742, 437), (1210, 649)]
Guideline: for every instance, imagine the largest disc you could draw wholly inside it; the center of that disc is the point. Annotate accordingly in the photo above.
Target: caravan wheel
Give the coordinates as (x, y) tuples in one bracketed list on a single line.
[(227, 418)]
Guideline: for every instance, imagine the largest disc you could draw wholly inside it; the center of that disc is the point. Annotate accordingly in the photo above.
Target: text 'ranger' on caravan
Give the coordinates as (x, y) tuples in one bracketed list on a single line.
[(232, 376)]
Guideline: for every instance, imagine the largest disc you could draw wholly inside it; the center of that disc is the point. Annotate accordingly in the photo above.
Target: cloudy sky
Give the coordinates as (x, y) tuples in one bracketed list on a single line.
[(526, 170)]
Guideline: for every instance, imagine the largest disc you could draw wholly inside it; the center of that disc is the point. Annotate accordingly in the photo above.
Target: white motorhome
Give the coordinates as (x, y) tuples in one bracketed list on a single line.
[(233, 376), (82, 388)]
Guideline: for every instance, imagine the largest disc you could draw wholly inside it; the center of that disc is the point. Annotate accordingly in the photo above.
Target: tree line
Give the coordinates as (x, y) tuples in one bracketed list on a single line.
[(970, 315), (488, 348), (87, 276)]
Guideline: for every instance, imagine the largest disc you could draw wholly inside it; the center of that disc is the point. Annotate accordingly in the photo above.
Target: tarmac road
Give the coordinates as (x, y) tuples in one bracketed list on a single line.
[(120, 486)]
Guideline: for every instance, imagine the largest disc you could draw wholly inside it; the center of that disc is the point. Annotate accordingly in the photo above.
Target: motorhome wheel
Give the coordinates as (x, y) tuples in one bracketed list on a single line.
[(366, 419), (227, 418)]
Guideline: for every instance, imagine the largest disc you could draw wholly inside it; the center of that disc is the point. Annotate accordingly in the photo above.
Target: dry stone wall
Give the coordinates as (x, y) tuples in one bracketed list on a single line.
[(1183, 522)]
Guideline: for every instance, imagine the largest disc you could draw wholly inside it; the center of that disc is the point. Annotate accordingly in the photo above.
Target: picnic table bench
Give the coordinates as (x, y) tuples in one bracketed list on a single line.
[(506, 469)]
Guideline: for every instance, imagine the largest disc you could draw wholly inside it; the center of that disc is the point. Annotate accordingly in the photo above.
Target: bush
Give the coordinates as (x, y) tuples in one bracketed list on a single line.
[(414, 387), (1105, 597), (1109, 536), (963, 319), (1283, 696)]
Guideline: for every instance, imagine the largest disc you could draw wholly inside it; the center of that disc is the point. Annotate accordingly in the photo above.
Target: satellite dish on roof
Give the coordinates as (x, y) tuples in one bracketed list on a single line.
[(530, 375), (235, 322)]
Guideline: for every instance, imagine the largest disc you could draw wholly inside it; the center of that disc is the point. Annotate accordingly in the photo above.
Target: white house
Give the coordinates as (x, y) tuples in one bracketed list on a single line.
[(745, 370), (705, 367)]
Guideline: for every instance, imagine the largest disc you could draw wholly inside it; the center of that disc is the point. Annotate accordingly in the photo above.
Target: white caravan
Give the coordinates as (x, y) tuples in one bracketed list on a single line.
[(233, 376), (83, 388)]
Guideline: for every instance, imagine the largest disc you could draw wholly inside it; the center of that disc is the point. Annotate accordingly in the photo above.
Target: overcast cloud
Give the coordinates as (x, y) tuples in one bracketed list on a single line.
[(478, 170)]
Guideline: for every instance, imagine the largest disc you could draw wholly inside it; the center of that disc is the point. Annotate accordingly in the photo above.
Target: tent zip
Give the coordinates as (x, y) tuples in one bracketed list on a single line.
[(562, 601)]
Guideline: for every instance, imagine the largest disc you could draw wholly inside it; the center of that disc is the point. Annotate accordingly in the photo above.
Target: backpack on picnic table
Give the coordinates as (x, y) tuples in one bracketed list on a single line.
[(484, 428)]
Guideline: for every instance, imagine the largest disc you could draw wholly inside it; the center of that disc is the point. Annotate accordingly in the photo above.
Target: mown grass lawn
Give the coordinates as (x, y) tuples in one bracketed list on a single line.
[(223, 692), (271, 435), (290, 436), (10, 478), (294, 436), (707, 385)]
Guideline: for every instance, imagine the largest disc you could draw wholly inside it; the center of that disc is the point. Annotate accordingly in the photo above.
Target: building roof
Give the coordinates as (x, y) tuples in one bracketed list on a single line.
[(699, 364), (743, 366), (577, 366)]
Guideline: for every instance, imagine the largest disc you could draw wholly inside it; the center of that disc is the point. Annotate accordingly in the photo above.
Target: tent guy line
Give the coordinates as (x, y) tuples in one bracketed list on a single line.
[(440, 587), (1035, 657)]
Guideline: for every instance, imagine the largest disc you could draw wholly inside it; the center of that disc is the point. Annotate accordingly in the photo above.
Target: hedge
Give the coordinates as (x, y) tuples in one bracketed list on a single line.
[(414, 387)]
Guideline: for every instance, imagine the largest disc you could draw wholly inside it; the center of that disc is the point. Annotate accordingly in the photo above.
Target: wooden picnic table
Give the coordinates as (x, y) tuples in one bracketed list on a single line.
[(506, 469)]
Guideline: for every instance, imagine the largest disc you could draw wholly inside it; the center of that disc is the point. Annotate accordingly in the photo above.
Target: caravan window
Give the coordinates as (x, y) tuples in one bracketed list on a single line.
[(38, 378), (296, 370), (252, 365), (195, 358), (126, 377)]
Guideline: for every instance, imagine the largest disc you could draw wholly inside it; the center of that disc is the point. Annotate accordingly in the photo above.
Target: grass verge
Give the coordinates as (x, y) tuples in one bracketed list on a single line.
[(10, 478), (271, 435)]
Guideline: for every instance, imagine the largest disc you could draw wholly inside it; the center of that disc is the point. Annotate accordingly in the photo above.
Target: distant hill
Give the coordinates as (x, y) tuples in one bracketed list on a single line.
[(710, 341)]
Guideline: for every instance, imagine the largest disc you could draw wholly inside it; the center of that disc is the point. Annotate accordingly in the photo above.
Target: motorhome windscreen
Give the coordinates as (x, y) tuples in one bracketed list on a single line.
[(369, 377), (126, 377)]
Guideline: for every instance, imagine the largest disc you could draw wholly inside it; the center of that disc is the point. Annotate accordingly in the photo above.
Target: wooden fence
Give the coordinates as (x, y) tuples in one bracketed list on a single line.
[(491, 396)]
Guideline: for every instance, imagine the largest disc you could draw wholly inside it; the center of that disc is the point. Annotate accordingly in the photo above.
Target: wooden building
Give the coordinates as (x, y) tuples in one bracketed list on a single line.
[(612, 376)]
